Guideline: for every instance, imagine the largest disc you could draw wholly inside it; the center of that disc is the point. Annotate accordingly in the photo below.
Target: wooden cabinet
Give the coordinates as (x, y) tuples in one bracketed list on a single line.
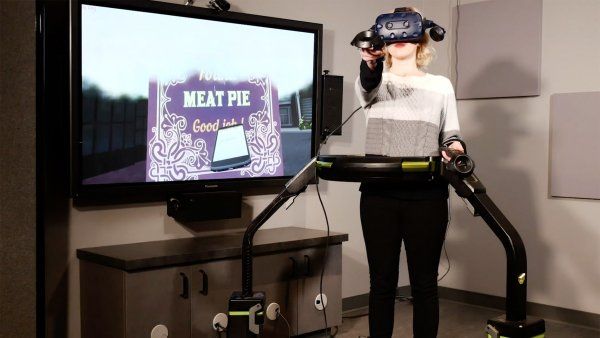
[(310, 319), (157, 297), (184, 294), (216, 281), (115, 303)]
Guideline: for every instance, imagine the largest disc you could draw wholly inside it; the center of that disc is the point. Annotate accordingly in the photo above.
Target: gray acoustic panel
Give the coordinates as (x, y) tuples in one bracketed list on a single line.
[(574, 146), (499, 49)]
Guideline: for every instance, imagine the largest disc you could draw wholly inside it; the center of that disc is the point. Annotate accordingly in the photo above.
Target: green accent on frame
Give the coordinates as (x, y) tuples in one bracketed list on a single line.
[(418, 166), (243, 313), (321, 164)]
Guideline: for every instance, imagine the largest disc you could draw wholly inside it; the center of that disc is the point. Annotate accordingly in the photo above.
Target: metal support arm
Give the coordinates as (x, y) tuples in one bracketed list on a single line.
[(516, 259), (292, 188)]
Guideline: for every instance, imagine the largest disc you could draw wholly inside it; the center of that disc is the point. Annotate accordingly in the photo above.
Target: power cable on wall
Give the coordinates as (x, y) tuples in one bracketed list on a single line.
[(456, 41)]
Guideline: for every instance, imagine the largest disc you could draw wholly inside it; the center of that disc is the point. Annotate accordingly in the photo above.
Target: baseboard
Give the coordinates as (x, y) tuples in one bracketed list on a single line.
[(570, 316), (356, 304)]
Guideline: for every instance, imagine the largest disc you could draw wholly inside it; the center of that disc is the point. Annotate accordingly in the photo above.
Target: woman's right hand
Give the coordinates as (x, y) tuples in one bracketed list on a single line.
[(370, 56)]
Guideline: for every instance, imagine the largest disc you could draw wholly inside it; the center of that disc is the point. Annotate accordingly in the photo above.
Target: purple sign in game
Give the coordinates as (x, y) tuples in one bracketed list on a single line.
[(184, 115)]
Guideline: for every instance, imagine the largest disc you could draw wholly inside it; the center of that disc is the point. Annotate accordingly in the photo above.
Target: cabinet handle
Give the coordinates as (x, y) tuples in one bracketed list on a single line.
[(307, 270), (294, 267), (204, 289), (185, 286)]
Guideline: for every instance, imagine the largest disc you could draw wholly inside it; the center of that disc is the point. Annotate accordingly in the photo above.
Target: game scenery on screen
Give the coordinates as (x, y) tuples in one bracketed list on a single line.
[(168, 98)]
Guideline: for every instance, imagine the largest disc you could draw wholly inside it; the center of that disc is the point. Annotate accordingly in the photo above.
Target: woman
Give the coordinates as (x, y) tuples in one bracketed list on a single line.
[(409, 113)]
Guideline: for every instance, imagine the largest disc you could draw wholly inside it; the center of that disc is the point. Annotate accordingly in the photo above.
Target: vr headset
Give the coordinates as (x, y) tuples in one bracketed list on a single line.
[(404, 25)]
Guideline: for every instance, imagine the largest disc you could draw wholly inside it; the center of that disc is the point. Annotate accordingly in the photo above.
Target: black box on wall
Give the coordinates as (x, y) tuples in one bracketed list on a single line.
[(331, 104), (205, 206)]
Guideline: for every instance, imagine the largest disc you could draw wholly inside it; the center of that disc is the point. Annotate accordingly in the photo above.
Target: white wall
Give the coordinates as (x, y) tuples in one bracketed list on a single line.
[(508, 139)]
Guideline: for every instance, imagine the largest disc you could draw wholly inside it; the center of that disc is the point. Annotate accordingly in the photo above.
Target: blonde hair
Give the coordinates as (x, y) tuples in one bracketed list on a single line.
[(425, 53)]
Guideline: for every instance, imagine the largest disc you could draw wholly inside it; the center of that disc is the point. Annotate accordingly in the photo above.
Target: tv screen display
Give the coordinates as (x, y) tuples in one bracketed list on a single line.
[(158, 86)]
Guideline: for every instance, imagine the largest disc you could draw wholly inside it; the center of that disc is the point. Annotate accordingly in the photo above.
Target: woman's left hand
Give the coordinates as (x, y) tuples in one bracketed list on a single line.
[(454, 145)]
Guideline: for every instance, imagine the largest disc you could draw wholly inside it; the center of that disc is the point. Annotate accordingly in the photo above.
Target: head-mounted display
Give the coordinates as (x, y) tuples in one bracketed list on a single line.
[(404, 25)]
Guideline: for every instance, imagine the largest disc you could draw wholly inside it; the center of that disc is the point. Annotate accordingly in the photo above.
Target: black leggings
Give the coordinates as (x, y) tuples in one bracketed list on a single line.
[(421, 224)]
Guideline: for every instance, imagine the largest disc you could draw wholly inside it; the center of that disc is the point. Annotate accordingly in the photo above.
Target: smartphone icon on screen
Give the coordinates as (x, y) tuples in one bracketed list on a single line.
[(231, 149)]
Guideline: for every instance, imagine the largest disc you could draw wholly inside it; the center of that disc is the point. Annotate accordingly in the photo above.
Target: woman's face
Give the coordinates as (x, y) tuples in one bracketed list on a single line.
[(402, 50)]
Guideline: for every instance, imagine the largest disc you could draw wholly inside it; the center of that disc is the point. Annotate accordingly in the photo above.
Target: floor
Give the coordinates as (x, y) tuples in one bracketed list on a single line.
[(457, 320)]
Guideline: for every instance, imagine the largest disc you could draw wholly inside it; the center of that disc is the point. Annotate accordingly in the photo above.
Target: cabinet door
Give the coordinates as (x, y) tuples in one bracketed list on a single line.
[(276, 275), (158, 297), (211, 287), (213, 282), (102, 302), (310, 319)]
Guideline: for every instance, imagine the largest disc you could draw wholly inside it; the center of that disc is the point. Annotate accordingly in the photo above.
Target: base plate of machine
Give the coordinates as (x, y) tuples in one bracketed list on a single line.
[(246, 315), (531, 327)]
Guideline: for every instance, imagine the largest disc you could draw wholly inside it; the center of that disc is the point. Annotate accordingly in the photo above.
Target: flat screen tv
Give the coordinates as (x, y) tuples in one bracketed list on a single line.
[(170, 99)]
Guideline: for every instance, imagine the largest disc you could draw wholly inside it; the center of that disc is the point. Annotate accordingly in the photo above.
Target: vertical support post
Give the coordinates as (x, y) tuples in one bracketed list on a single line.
[(516, 257)]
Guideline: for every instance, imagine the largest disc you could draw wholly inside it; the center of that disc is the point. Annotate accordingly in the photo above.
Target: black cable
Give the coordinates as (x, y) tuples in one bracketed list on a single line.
[(267, 213), (328, 229), (456, 40), (444, 242), (338, 127), (324, 260), (286, 323), (448, 260), (403, 298), (293, 200), (456, 71), (355, 316), (219, 330), (327, 219)]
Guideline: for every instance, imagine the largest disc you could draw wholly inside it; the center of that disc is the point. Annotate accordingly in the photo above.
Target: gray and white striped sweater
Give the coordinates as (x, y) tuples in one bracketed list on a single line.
[(408, 115)]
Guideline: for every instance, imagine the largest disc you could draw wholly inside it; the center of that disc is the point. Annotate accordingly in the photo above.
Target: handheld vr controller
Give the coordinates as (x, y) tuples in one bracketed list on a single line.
[(404, 25), (459, 163)]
